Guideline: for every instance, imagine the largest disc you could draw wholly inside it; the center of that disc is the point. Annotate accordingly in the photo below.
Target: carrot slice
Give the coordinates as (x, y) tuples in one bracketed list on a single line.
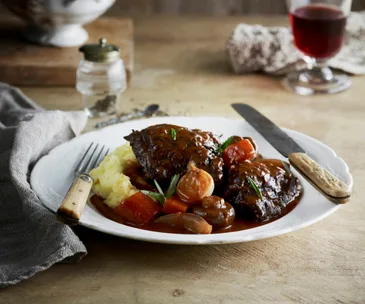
[(238, 152), (174, 205), (138, 209)]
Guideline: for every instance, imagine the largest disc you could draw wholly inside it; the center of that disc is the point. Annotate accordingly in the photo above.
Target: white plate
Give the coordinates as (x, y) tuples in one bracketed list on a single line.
[(52, 177)]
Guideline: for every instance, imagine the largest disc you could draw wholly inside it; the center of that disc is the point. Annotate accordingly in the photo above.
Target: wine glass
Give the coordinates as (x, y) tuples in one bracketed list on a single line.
[(318, 28)]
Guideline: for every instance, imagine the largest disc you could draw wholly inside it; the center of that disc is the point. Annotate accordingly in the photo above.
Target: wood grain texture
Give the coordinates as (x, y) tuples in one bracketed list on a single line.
[(180, 64), (22, 63)]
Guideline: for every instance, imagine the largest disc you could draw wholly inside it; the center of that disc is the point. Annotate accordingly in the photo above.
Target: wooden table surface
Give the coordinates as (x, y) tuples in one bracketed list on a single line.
[(180, 64)]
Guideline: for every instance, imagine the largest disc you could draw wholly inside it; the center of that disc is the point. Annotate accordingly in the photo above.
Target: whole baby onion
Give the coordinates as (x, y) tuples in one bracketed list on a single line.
[(195, 185)]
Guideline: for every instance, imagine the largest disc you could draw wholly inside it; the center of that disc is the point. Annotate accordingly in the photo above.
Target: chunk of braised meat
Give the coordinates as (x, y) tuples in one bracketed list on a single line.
[(235, 139), (134, 171), (215, 211), (165, 150), (277, 187)]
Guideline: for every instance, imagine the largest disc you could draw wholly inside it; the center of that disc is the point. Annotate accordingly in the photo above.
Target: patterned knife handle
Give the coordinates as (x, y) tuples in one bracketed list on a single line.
[(328, 184)]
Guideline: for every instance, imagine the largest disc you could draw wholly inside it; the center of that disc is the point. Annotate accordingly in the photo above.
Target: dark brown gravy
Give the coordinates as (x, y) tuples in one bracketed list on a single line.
[(237, 225)]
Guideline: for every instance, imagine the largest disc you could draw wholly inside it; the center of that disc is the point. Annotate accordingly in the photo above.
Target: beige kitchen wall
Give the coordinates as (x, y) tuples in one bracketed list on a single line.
[(204, 7)]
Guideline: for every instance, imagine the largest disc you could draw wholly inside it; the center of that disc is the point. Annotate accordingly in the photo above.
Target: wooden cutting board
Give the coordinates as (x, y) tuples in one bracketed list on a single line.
[(23, 63)]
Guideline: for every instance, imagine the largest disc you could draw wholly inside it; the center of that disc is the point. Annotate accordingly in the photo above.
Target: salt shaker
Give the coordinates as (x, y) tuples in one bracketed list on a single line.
[(101, 78)]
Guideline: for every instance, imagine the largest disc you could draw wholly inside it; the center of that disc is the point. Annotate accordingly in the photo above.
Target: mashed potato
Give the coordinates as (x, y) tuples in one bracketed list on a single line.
[(109, 181)]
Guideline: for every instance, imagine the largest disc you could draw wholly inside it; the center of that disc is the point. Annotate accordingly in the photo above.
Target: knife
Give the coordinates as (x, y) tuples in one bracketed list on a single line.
[(326, 183), (148, 111)]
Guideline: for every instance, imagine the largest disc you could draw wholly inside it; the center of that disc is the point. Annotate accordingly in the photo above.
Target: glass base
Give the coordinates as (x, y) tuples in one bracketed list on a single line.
[(307, 82), (91, 113), (102, 104)]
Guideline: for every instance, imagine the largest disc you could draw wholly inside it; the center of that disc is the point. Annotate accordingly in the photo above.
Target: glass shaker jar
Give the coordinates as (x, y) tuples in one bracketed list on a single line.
[(101, 78)]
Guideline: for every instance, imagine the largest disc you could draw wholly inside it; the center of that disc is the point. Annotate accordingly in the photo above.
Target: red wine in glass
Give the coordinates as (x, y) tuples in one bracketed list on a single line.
[(318, 30)]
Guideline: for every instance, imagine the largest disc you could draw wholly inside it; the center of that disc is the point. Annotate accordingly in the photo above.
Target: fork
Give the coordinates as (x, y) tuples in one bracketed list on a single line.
[(75, 200)]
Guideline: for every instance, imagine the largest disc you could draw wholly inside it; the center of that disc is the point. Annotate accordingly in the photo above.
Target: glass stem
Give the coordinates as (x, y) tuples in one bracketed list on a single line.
[(318, 72)]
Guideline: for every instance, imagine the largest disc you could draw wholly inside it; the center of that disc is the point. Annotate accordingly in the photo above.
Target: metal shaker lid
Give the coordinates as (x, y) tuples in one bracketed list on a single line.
[(100, 52)]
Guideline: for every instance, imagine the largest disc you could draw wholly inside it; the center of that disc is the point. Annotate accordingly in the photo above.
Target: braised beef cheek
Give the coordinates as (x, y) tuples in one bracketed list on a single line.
[(165, 150), (277, 187)]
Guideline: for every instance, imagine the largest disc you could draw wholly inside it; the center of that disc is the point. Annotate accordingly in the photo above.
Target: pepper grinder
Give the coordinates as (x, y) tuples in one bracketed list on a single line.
[(101, 78)]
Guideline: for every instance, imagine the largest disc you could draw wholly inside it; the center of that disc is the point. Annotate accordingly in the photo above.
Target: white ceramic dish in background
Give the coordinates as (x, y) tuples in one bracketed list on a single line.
[(57, 22), (52, 176)]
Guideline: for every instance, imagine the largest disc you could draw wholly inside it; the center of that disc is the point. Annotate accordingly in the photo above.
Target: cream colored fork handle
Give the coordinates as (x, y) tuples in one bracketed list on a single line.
[(75, 200), (328, 184)]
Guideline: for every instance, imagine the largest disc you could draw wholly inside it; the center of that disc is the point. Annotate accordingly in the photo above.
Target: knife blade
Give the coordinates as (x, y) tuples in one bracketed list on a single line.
[(326, 183)]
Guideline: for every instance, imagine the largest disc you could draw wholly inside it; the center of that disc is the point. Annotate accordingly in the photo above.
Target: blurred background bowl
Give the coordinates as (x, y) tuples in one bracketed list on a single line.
[(57, 22)]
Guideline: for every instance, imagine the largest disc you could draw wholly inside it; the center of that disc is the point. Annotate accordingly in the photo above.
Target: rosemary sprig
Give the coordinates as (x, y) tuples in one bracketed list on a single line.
[(172, 187), (158, 187), (160, 196), (226, 143), (173, 134), (154, 195), (254, 187)]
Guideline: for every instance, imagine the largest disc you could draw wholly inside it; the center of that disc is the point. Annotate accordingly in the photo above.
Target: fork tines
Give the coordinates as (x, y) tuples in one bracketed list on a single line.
[(92, 157)]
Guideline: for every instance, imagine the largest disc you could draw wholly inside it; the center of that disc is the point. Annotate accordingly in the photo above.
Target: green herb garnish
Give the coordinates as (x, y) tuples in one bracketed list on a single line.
[(158, 187), (172, 187), (160, 196), (154, 195), (226, 143), (173, 134), (254, 187), (286, 167)]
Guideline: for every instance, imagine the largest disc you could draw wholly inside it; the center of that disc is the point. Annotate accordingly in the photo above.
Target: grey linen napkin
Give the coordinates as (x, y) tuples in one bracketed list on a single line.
[(255, 48), (31, 239)]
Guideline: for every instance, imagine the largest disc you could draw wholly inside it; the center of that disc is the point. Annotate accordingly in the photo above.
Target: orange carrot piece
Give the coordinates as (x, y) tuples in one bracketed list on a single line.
[(138, 209), (238, 152), (174, 205)]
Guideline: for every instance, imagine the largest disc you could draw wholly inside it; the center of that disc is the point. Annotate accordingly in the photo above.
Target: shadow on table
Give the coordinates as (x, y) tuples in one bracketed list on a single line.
[(130, 255)]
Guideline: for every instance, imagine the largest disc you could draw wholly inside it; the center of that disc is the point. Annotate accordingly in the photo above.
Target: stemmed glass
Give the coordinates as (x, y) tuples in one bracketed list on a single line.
[(318, 28)]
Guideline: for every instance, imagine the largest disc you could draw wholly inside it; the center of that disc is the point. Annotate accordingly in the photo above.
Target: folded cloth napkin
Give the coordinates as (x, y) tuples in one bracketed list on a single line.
[(31, 239), (255, 48)]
